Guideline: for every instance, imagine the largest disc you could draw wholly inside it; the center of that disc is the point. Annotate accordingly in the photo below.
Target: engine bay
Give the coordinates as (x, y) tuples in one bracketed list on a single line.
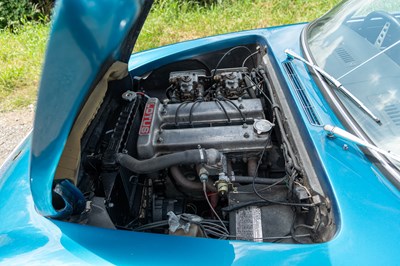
[(200, 148)]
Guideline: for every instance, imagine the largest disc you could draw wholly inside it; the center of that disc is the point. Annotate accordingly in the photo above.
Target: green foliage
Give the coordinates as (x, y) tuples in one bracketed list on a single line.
[(45, 7), (170, 21), (15, 12)]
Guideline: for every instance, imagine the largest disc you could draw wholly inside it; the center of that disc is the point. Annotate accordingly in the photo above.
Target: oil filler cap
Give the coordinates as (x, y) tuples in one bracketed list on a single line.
[(262, 126)]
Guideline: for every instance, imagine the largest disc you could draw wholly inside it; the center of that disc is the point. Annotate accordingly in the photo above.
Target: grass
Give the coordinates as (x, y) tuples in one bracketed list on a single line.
[(172, 21), (21, 56), (169, 21)]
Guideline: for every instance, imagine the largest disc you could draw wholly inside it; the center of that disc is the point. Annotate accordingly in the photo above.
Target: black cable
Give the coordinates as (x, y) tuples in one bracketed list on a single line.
[(128, 225), (258, 83), (177, 110), (218, 102), (294, 237), (216, 230), (251, 86), (237, 107), (202, 229), (228, 52), (191, 110), (202, 63), (269, 200), (274, 184), (277, 113), (247, 58), (151, 225), (167, 91), (311, 227), (266, 238), (214, 224), (265, 96), (258, 88), (285, 237), (212, 208)]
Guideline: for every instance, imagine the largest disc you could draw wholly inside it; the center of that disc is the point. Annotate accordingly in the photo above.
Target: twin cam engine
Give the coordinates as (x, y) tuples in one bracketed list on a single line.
[(218, 121)]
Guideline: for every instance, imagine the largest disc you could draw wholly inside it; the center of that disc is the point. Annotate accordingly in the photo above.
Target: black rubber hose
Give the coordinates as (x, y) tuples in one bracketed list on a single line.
[(182, 181), (210, 156), (258, 180)]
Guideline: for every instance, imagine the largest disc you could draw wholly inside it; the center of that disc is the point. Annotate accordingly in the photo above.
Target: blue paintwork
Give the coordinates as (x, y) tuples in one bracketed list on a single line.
[(86, 37), (366, 204)]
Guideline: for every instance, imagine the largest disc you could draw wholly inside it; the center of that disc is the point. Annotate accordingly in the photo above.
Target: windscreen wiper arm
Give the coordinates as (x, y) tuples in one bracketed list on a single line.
[(332, 130), (292, 55)]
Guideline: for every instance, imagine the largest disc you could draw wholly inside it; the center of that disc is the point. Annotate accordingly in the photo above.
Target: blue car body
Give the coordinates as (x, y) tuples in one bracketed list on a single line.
[(364, 202)]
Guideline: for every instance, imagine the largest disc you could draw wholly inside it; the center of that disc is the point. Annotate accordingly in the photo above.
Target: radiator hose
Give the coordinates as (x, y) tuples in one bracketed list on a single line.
[(195, 156)]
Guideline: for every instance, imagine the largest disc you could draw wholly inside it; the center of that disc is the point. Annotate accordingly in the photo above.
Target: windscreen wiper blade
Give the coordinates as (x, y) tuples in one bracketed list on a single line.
[(332, 130), (292, 55)]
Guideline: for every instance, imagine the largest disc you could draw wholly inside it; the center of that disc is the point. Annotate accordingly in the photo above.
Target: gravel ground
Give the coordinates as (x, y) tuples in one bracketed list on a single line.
[(13, 128)]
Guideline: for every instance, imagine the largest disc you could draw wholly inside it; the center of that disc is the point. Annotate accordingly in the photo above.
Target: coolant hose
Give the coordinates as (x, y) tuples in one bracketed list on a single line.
[(182, 181), (257, 180), (196, 156)]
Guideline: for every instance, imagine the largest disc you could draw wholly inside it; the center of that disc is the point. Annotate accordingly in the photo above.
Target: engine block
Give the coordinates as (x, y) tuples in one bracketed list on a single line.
[(229, 126)]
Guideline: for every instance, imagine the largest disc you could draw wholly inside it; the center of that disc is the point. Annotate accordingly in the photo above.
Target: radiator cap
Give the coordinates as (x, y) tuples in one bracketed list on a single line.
[(262, 126)]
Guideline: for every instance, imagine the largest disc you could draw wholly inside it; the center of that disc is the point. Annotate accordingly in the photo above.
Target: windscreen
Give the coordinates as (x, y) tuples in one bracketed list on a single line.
[(358, 43)]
